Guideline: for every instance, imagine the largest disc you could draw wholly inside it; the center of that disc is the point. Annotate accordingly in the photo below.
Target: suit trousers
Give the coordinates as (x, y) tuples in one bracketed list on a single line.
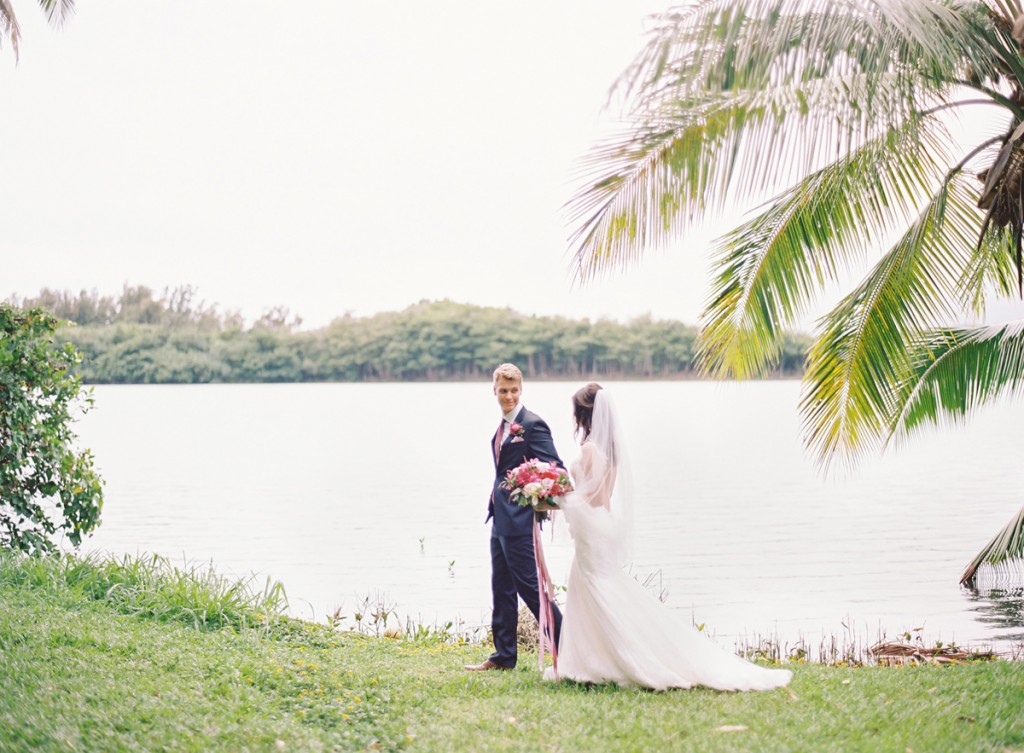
[(514, 575)]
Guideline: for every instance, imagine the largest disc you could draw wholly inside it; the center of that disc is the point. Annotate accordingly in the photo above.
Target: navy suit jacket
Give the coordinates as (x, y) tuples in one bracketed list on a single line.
[(509, 518)]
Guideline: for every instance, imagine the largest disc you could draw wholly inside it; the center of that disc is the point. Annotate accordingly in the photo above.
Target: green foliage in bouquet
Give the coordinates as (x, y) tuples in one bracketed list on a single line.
[(47, 487)]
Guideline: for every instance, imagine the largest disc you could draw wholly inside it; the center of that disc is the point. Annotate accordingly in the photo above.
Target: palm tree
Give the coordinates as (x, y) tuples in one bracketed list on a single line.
[(57, 11), (841, 111)]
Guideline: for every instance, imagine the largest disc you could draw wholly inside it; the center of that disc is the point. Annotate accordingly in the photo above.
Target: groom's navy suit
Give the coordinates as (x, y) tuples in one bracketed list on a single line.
[(513, 568)]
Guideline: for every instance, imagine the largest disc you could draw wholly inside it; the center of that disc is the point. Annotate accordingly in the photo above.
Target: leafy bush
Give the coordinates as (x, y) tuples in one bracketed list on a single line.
[(46, 485)]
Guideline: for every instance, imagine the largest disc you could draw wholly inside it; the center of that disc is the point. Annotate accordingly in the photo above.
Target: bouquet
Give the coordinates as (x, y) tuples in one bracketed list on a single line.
[(537, 484)]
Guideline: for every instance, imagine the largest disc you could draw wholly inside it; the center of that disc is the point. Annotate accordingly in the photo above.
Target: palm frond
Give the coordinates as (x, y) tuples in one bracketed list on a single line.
[(1003, 552), (720, 45), (953, 371), (862, 354), (991, 270), (1008, 9), (993, 30), (57, 11), (771, 267), (736, 99), (9, 25), (698, 156)]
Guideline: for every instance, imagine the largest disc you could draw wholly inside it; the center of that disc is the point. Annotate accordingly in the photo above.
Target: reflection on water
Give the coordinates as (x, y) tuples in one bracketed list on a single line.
[(998, 601)]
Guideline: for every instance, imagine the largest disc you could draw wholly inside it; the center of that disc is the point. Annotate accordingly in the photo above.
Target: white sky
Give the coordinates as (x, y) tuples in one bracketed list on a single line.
[(329, 157), (324, 156)]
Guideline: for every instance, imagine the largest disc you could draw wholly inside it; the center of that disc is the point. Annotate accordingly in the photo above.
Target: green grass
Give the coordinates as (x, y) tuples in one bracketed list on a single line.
[(84, 669)]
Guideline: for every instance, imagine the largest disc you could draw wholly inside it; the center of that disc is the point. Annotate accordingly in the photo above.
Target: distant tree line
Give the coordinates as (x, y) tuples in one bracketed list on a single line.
[(140, 337)]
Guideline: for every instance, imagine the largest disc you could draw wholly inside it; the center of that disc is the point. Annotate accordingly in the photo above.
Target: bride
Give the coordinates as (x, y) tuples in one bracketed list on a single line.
[(613, 629)]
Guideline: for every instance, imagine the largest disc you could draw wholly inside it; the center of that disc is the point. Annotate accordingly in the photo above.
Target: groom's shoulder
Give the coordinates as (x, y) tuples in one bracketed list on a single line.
[(528, 417)]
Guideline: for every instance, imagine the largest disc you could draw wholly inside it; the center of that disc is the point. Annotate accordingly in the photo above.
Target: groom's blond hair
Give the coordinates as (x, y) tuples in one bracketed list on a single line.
[(508, 371)]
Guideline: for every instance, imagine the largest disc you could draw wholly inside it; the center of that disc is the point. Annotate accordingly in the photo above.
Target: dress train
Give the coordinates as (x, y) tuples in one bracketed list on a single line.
[(615, 631)]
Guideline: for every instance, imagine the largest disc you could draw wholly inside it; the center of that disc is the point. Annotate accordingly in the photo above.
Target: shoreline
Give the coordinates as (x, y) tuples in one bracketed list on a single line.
[(375, 616), (827, 647), (683, 377)]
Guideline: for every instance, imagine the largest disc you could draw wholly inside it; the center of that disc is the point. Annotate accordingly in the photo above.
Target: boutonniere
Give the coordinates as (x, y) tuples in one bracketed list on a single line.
[(517, 432)]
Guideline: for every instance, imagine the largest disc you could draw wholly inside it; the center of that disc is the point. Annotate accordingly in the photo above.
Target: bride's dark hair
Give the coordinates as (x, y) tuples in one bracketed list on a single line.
[(583, 408)]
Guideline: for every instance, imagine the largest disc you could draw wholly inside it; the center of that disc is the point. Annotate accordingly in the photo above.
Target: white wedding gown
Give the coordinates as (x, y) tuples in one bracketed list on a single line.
[(614, 630)]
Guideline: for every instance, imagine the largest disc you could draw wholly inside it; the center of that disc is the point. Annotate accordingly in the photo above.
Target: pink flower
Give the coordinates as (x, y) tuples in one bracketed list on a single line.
[(535, 482)]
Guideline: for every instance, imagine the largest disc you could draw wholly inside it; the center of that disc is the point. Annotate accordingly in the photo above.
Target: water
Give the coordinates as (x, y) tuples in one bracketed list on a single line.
[(346, 492)]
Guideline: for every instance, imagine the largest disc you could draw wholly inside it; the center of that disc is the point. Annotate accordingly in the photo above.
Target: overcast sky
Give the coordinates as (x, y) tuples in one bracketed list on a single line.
[(324, 156)]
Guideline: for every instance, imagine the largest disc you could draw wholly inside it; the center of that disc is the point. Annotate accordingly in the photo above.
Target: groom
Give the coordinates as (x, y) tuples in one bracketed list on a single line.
[(521, 436)]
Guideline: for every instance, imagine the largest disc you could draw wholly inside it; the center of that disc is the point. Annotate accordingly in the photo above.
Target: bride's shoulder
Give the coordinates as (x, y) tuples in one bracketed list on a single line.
[(590, 453)]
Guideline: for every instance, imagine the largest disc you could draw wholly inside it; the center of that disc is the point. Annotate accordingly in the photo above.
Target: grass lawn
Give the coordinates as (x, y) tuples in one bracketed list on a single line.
[(86, 669)]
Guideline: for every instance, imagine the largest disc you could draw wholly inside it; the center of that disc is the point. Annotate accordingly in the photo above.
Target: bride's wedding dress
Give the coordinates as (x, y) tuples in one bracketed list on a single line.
[(614, 630)]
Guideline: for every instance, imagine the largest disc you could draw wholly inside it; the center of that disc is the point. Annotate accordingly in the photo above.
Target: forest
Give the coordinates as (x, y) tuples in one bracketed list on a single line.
[(144, 337)]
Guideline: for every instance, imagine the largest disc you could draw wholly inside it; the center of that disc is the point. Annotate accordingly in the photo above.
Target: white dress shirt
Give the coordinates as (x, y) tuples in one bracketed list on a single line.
[(509, 418)]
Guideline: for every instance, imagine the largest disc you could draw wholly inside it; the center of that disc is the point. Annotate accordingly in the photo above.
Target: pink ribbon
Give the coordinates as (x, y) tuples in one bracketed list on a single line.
[(546, 589)]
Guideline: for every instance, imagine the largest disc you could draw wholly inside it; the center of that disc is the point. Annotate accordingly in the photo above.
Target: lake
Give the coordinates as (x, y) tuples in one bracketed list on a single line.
[(349, 492)]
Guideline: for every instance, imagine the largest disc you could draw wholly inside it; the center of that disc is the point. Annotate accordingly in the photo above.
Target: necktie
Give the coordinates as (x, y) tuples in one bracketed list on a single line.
[(497, 439)]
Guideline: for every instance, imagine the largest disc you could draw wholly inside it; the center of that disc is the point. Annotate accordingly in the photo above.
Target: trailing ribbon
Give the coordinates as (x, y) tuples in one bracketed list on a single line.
[(546, 590)]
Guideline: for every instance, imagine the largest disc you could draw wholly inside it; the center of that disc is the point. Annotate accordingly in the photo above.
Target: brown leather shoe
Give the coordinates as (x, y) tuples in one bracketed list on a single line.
[(485, 666)]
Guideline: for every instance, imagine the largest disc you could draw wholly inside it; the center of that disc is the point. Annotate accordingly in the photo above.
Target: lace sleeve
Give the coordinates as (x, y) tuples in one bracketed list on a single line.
[(596, 478)]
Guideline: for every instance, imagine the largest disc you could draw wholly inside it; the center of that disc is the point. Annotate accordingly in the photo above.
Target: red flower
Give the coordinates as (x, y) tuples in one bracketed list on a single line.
[(546, 481)]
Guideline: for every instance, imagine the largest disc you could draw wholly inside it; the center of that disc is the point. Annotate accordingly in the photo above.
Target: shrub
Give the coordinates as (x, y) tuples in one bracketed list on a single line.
[(46, 485)]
